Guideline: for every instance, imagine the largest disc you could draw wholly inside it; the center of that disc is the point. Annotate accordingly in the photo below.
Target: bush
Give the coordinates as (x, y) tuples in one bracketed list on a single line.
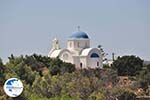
[(128, 65), (127, 96)]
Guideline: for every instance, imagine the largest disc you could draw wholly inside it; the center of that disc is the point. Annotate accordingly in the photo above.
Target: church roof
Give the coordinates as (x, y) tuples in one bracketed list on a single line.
[(85, 52), (79, 35), (55, 53)]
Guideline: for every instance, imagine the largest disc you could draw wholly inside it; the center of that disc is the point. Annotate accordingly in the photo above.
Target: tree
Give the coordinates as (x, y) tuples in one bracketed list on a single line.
[(35, 63), (128, 65), (145, 74), (60, 67), (2, 70), (13, 63), (144, 78), (127, 96), (25, 73), (102, 52), (42, 86), (97, 96)]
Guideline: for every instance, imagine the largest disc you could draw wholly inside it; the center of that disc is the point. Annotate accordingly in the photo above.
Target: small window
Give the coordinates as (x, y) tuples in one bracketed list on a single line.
[(78, 44), (81, 65), (70, 44), (94, 55), (56, 42), (97, 63)]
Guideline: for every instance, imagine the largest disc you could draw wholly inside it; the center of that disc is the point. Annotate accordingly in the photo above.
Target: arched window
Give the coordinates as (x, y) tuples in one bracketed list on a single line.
[(94, 55), (65, 56)]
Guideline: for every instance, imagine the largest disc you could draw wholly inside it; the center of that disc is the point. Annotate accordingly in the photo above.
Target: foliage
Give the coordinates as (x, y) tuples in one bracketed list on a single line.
[(144, 79), (128, 65), (2, 70), (59, 67), (127, 96), (52, 79), (145, 74), (97, 96)]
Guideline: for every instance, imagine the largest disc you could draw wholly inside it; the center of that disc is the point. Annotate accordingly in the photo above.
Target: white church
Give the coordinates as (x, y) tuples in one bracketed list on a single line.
[(78, 51)]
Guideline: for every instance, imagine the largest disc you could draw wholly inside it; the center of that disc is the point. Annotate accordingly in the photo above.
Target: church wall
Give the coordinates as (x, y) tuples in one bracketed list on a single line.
[(76, 61), (66, 56), (78, 44), (83, 60), (94, 62)]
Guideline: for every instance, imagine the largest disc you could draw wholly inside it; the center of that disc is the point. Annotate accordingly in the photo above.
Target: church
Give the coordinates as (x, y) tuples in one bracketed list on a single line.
[(78, 51)]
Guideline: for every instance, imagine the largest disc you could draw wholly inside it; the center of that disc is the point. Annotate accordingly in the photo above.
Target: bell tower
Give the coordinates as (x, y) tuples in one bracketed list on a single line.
[(55, 46)]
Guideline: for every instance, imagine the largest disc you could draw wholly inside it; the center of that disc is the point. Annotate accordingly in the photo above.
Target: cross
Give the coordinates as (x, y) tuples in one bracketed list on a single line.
[(78, 28)]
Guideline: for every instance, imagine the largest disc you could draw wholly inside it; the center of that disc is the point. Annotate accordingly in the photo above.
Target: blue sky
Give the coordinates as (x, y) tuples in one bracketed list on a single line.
[(120, 26)]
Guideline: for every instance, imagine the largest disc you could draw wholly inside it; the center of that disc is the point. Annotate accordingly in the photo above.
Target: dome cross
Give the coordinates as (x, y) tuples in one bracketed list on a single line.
[(78, 28)]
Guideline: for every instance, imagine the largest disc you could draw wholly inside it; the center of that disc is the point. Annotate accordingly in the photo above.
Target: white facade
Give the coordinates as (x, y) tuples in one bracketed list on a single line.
[(78, 52)]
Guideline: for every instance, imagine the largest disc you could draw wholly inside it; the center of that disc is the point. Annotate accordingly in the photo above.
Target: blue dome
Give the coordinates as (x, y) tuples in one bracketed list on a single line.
[(79, 35)]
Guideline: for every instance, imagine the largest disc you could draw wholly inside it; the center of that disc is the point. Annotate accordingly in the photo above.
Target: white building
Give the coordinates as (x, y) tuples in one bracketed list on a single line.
[(78, 51)]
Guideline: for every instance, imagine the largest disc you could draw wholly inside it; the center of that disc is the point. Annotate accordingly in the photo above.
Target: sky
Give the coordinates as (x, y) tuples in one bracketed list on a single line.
[(120, 26)]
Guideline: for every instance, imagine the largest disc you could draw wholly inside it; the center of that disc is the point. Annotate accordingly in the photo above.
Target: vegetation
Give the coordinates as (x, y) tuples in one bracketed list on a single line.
[(52, 79), (127, 96), (128, 65)]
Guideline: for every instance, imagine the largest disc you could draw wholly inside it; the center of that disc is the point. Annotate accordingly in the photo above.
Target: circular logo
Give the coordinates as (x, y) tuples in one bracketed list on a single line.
[(13, 87)]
